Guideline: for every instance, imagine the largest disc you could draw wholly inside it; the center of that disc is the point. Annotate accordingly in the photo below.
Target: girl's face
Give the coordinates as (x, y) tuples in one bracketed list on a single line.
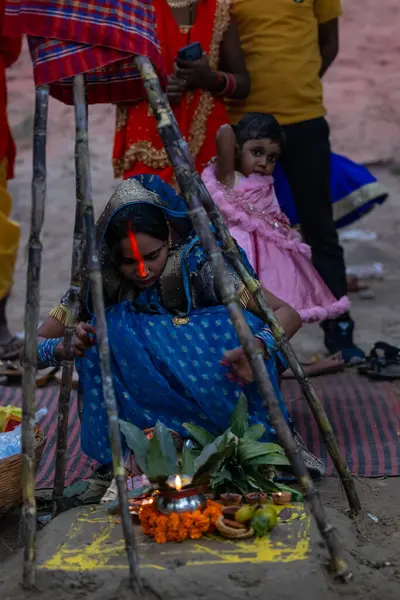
[(259, 156), (143, 262)]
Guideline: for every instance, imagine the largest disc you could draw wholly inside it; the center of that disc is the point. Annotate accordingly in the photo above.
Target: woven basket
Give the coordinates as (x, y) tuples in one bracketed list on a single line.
[(10, 476)]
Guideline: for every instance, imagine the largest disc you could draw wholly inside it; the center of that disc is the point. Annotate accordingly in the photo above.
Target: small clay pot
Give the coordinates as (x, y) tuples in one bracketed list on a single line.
[(231, 499), (256, 498), (230, 511), (281, 497)]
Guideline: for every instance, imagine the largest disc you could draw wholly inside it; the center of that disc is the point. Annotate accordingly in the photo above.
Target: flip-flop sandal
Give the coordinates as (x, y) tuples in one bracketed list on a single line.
[(325, 366), (11, 349), (383, 363)]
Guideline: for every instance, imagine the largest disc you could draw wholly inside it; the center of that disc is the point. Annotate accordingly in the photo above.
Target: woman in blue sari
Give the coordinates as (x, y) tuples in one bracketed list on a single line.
[(175, 356), (354, 192)]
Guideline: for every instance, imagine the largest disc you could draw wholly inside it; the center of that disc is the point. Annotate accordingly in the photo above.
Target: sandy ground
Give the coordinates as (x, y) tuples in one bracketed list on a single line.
[(371, 550), (363, 99)]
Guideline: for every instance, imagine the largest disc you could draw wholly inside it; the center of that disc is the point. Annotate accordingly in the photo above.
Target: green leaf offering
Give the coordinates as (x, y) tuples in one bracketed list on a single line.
[(137, 442), (187, 462), (198, 434), (167, 447), (254, 432), (239, 418), (248, 449), (159, 468), (213, 456)]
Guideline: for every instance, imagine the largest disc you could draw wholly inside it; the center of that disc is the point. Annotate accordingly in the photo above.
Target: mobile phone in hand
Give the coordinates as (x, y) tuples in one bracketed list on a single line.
[(191, 52)]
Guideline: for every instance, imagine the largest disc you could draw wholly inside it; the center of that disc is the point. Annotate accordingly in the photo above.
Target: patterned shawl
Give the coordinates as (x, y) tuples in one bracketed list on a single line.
[(97, 37)]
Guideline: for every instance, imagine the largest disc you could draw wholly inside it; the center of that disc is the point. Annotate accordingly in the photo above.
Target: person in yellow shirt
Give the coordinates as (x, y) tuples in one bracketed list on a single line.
[(288, 46)]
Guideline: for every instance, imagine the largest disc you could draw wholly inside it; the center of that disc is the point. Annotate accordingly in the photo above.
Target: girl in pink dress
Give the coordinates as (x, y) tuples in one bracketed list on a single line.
[(241, 184)]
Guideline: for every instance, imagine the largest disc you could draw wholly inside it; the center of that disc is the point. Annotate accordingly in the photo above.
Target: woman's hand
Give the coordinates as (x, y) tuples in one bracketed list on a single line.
[(83, 339), (238, 362), (175, 89), (196, 73)]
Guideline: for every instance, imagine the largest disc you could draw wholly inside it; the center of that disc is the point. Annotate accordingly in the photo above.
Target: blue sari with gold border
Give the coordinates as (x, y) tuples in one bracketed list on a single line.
[(165, 368)]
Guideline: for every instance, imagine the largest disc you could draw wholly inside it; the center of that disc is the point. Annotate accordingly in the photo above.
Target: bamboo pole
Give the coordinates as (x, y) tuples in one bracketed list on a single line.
[(77, 264), (30, 344), (84, 184), (194, 195), (184, 169)]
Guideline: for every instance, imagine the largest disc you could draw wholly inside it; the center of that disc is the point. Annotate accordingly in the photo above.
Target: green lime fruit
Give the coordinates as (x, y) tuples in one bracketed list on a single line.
[(260, 524), (264, 520), (245, 513)]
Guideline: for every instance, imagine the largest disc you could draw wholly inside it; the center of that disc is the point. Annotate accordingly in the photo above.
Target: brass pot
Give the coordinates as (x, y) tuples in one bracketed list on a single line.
[(186, 500)]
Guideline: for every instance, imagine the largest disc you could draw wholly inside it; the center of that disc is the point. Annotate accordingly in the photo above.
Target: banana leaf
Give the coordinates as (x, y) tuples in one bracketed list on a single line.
[(254, 432), (239, 420), (198, 434), (213, 456), (167, 446), (249, 449), (137, 442)]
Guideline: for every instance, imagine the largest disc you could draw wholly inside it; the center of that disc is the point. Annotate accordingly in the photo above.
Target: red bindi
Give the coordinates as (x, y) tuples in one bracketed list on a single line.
[(141, 270)]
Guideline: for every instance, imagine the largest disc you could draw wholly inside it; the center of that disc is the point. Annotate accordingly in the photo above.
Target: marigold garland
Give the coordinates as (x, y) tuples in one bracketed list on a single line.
[(177, 527)]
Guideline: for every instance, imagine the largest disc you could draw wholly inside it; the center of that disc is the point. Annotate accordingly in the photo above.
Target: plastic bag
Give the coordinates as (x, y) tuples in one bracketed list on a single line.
[(10, 417), (10, 441)]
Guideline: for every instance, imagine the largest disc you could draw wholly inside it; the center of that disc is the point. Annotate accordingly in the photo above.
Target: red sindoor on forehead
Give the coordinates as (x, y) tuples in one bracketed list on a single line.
[(141, 270)]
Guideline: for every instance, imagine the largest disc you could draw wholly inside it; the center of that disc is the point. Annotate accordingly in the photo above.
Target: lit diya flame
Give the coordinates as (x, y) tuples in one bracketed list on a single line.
[(178, 482), (141, 268)]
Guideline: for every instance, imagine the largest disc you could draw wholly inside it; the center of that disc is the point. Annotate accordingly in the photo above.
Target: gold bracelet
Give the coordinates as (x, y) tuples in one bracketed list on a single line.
[(61, 313), (244, 297)]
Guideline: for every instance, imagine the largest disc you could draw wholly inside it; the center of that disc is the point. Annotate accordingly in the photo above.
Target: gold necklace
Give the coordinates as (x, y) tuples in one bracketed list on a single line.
[(181, 3)]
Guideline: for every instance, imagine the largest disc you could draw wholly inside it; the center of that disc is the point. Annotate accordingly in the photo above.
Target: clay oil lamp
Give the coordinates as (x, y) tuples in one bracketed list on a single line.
[(281, 497), (256, 498)]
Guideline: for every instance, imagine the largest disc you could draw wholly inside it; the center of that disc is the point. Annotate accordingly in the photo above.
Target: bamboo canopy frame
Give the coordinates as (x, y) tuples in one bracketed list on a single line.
[(202, 211), (77, 265)]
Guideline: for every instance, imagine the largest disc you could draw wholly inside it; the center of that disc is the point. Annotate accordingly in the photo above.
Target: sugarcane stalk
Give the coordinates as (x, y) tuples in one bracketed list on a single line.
[(194, 197), (84, 184), (30, 344), (183, 162), (73, 308), (285, 347)]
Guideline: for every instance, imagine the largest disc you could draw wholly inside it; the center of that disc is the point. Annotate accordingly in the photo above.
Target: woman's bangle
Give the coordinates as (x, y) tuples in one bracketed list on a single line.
[(229, 80), (46, 352), (266, 336)]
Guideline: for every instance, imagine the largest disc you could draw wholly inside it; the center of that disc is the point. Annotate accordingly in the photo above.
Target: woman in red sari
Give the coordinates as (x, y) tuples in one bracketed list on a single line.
[(195, 89)]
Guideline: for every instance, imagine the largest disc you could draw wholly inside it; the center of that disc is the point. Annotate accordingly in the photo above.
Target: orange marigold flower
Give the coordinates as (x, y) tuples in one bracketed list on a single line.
[(195, 534), (178, 527), (181, 535)]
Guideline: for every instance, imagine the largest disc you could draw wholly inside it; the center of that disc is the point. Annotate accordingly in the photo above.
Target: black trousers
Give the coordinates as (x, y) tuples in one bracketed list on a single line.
[(306, 163)]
